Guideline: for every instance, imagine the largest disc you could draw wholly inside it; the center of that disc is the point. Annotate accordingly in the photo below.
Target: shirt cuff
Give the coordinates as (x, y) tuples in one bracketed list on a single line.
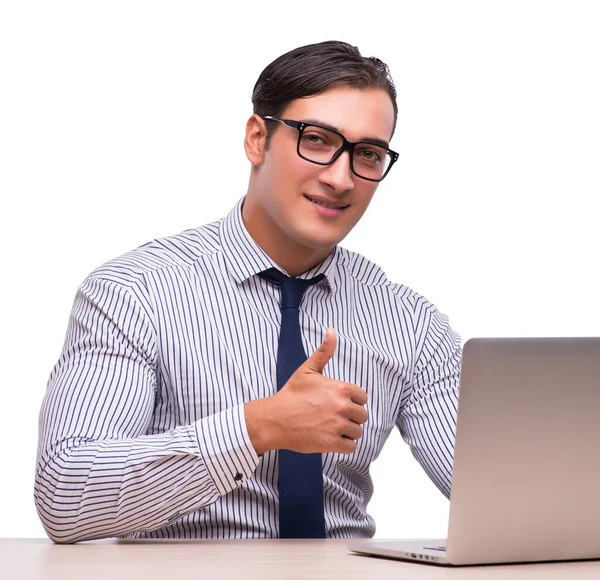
[(226, 448)]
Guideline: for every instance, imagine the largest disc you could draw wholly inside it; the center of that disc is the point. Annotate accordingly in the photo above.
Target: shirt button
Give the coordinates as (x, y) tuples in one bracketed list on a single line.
[(238, 477)]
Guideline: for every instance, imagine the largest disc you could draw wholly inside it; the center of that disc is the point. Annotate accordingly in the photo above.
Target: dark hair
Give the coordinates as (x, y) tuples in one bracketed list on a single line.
[(315, 68)]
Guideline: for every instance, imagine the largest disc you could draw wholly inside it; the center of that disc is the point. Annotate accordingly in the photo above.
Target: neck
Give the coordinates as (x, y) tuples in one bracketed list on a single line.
[(287, 253)]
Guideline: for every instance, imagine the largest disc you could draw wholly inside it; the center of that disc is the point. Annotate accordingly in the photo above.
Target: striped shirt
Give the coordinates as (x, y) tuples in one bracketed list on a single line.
[(142, 428)]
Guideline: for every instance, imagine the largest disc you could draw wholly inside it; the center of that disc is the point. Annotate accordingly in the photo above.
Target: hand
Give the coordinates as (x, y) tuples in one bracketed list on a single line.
[(310, 413)]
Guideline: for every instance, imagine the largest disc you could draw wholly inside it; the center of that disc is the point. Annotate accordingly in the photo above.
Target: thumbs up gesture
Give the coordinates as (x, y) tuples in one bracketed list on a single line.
[(310, 413)]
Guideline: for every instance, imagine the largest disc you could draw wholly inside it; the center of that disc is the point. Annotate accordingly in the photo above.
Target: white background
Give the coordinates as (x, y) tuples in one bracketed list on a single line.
[(123, 121)]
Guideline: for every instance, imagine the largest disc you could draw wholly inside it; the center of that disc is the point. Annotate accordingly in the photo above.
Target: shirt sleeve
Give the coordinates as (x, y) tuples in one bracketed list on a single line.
[(427, 419), (98, 474)]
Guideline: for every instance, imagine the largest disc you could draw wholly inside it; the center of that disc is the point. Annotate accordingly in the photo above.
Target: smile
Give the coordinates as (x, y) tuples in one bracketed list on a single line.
[(327, 210), (327, 204)]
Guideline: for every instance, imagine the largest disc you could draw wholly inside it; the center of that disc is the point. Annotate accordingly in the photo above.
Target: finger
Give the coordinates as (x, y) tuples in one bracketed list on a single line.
[(319, 359), (345, 445), (358, 395), (358, 414), (352, 431)]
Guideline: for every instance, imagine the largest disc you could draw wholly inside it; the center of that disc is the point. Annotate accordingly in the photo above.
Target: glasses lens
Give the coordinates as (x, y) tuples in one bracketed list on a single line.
[(320, 146), (371, 161)]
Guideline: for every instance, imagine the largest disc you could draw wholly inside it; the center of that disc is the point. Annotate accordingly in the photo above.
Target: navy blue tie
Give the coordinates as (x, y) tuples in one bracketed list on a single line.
[(301, 511)]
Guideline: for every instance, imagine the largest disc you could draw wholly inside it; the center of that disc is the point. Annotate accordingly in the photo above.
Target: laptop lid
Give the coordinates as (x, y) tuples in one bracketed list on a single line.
[(526, 477)]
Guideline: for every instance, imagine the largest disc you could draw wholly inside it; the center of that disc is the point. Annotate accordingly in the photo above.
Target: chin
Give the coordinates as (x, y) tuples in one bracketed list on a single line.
[(316, 236), (319, 243)]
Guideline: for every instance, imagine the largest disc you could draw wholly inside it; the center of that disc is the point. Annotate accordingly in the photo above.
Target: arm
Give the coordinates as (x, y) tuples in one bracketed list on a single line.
[(97, 474), (427, 419)]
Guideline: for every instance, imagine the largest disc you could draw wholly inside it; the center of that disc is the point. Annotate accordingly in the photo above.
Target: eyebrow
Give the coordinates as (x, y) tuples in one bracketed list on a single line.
[(373, 140)]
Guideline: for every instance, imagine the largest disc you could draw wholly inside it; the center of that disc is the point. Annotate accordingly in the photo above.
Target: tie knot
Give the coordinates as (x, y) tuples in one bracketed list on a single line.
[(292, 289)]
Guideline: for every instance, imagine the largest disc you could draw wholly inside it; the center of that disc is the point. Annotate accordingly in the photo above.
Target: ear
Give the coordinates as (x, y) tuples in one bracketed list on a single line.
[(256, 137)]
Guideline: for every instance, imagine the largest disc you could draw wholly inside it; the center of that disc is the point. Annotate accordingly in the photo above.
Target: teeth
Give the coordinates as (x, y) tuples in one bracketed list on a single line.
[(327, 205)]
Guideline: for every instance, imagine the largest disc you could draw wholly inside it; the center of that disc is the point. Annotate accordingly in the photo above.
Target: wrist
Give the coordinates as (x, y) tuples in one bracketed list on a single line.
[(261, 427)]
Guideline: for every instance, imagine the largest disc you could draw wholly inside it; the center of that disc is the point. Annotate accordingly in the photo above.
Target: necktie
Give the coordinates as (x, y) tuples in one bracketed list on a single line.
[(301, 511)]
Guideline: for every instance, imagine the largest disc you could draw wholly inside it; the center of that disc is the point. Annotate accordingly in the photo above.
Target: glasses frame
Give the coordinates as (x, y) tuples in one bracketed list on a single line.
[(346, 146)]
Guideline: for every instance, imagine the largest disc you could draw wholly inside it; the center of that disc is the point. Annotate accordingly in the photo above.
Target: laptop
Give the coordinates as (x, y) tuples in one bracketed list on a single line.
[(526, 476)]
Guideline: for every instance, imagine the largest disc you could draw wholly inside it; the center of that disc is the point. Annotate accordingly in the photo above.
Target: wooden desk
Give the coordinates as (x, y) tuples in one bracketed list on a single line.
[(39, 559)]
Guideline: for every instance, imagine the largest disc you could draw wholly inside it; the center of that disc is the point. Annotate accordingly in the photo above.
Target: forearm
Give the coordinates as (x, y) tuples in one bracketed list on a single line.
[(431, 439), (114, 487)]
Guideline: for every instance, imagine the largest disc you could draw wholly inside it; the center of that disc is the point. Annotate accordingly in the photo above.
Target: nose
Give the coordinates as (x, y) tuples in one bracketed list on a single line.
[(338, 175)]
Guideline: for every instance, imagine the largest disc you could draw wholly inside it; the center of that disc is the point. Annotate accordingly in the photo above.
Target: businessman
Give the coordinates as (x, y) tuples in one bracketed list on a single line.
[(238, 379)]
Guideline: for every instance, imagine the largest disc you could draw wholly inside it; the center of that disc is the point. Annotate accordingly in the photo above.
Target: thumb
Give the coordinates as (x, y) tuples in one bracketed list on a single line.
[(319, 359)]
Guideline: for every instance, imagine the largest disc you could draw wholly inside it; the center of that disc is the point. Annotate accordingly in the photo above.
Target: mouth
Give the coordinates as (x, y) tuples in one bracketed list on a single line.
[(327, 204)]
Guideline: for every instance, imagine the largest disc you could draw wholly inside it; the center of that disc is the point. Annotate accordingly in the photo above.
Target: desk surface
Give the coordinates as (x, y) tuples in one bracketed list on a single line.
[(39, 559)]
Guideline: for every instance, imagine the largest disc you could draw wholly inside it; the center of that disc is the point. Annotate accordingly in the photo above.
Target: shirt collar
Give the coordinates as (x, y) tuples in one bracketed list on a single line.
[(245, 258)]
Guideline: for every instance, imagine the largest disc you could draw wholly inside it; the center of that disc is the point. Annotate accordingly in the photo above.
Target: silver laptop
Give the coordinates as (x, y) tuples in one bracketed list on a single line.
[(526, 478)]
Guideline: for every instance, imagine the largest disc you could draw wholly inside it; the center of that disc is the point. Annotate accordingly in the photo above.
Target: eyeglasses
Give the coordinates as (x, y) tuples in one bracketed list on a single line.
[(323, 145)]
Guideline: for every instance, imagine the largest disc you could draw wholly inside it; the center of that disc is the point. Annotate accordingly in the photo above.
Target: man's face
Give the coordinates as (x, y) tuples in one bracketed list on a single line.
[(287, 181)]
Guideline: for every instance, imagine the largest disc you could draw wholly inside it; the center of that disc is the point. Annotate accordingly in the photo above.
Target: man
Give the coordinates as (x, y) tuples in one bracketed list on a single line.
[(184, 404)]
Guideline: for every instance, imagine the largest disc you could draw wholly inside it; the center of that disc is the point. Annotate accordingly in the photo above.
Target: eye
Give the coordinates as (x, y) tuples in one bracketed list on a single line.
[(312, 138), (370, 155)]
